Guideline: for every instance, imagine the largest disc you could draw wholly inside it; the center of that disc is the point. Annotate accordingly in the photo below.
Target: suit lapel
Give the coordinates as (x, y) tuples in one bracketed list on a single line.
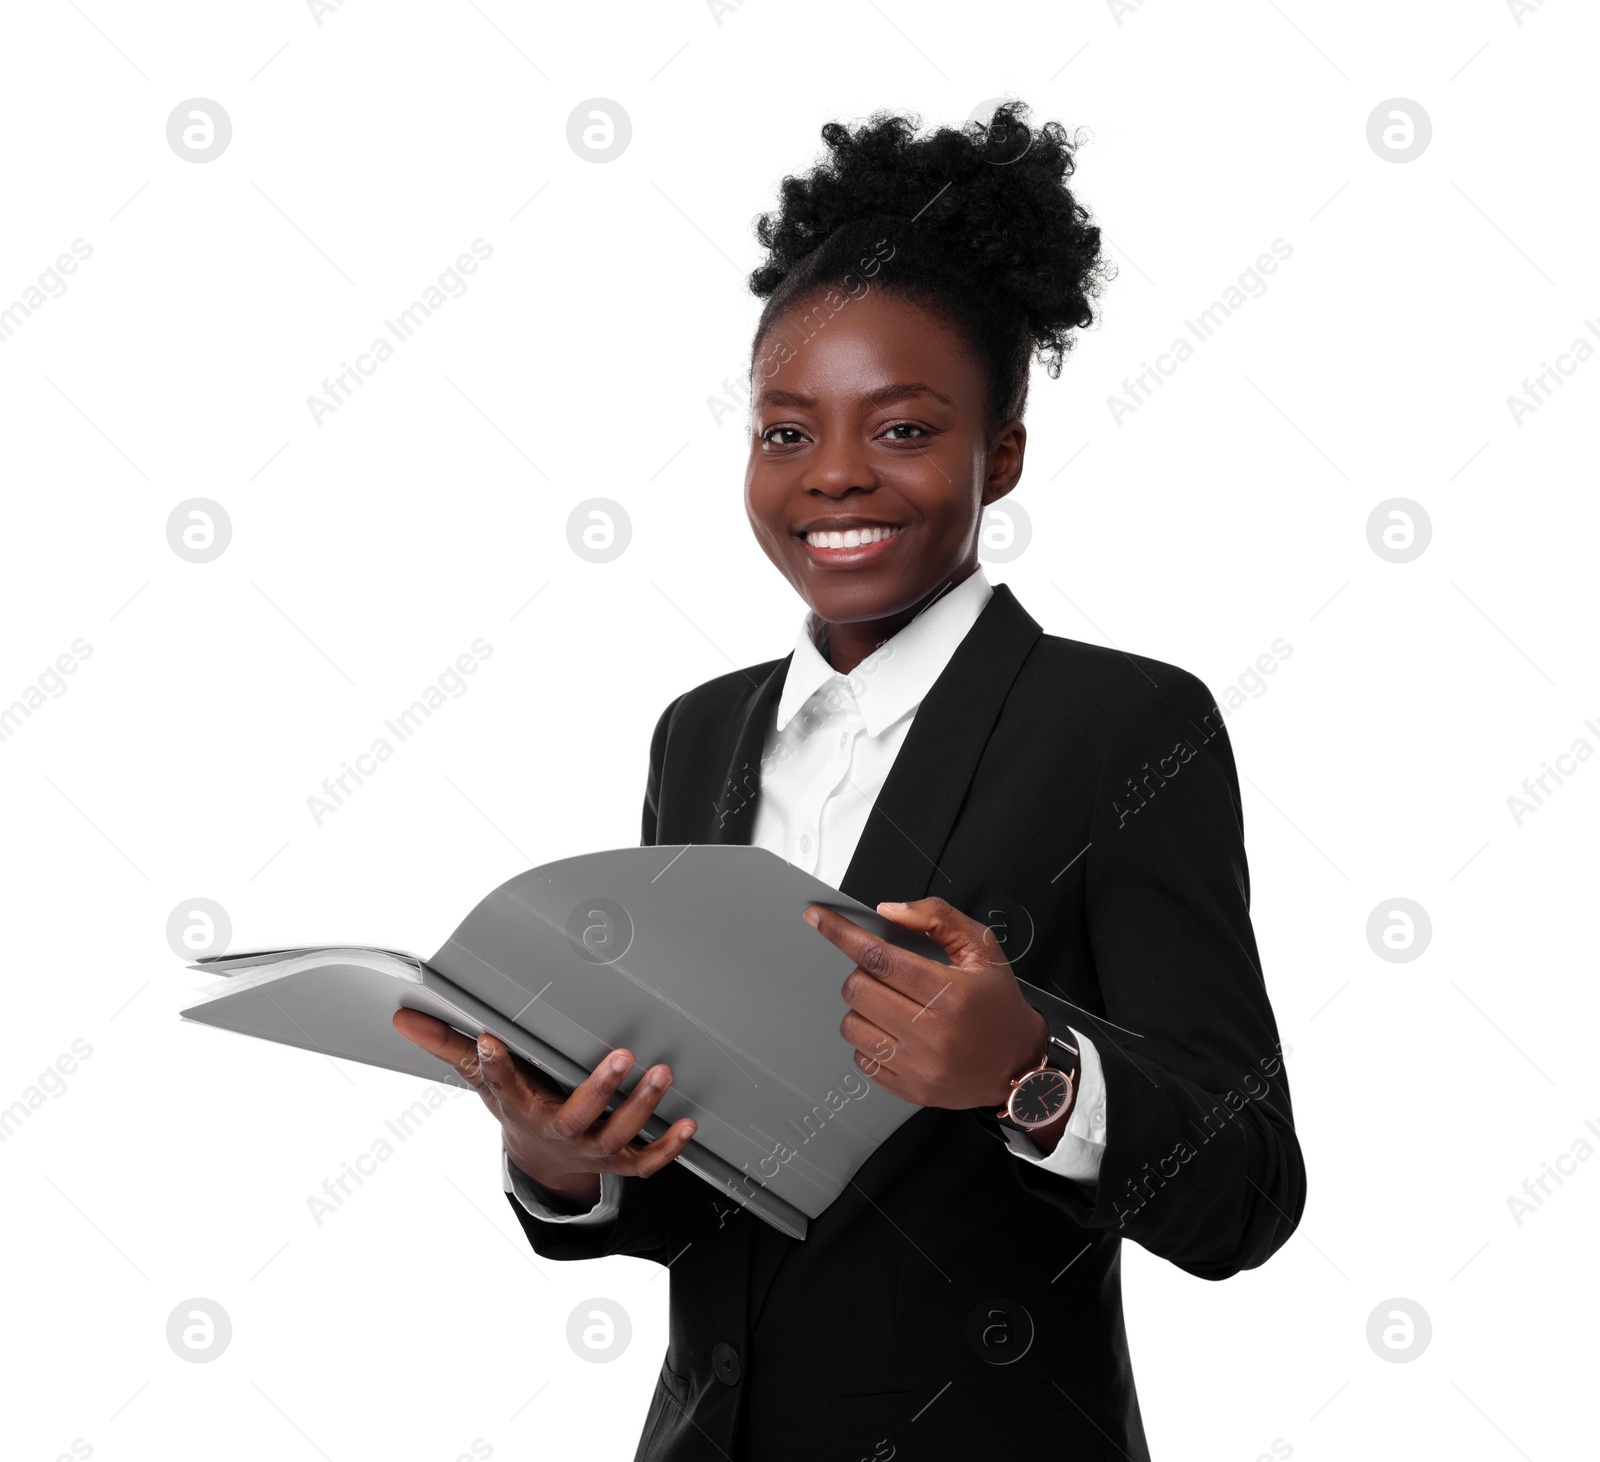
[(733, 810), (911, 819)]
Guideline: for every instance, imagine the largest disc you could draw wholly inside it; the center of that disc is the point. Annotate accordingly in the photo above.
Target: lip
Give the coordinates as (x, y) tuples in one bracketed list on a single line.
[(839, 522), (862, 555)]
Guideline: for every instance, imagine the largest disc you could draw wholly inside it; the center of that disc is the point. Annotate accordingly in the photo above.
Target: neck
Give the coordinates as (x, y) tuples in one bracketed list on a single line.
[(847, 643)]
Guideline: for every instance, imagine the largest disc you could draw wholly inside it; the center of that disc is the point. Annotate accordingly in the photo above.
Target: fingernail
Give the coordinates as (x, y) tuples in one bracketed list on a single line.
[(620, 1063), (658, 1079), (813, 917), (892, 907), (483, 1047)]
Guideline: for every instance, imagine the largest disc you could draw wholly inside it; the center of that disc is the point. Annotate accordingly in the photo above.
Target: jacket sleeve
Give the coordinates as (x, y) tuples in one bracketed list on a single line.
[(649, 822), (1201, 1165), (640, 1230), (639, 1227)]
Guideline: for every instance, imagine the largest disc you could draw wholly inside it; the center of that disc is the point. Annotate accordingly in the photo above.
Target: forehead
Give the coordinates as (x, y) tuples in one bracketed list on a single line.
[(833, 347)]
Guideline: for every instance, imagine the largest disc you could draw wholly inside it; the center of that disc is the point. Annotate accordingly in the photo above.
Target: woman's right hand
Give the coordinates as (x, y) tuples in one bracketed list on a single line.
[(562, 1142)]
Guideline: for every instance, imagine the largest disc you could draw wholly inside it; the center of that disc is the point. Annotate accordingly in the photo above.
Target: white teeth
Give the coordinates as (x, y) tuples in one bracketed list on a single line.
[(850, 537)]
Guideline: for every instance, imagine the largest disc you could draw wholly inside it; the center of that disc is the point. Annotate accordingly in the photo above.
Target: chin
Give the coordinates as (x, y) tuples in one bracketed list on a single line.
[(859, 600)]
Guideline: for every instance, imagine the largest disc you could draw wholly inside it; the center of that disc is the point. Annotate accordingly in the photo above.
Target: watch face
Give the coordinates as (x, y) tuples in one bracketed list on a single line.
[(1039, 1098)]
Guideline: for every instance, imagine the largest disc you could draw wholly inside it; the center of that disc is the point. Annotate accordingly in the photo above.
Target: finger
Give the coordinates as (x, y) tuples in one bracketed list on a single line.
[(512, 1082), (587, 1104), (890, 1080), (617, 1132), (967, 942), (911, 975), (651, 1159), (875, 1049), (441, 1040), (891, 1012)]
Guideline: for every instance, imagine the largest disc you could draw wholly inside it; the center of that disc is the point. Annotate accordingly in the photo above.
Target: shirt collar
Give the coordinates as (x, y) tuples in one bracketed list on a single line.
[(894, 678)]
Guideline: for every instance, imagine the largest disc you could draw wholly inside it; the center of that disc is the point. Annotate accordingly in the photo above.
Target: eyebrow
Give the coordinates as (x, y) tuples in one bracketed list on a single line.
[(883, 396)]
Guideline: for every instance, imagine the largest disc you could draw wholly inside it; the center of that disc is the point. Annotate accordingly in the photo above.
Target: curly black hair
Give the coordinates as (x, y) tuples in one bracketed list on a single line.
[(979, 225)]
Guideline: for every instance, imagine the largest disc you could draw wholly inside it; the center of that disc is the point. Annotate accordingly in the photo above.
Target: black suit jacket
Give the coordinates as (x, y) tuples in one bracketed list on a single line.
[(958, 1301)]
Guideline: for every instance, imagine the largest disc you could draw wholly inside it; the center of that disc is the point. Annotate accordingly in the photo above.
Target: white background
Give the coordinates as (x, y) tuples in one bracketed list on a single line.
[(368, 551)]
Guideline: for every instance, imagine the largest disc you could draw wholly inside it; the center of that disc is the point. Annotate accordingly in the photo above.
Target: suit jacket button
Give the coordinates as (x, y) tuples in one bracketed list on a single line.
[(725, 1361)]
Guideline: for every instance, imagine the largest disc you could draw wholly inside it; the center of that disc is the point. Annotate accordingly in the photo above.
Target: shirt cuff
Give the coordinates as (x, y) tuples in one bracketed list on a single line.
[(518, 1182), (1082, 1146)]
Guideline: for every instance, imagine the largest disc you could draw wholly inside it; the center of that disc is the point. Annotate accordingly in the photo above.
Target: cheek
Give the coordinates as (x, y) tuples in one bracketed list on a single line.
[(771, 539), (953, 523), (758, 504)]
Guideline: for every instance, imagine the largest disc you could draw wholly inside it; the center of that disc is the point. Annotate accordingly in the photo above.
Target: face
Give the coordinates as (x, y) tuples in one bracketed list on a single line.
[(872, 428)]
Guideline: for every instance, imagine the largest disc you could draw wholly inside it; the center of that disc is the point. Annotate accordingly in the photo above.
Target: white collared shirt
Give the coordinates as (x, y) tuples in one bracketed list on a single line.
[(826, 758)]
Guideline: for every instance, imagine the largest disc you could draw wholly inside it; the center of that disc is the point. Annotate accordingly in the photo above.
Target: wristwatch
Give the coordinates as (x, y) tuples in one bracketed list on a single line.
[(1045, 1092)]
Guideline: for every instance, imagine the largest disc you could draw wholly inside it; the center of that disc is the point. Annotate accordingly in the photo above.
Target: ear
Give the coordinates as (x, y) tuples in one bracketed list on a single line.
[(1006, 452)]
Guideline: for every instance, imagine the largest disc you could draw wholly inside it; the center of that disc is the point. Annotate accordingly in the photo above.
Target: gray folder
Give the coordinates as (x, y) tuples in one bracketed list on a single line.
[(695, 955)]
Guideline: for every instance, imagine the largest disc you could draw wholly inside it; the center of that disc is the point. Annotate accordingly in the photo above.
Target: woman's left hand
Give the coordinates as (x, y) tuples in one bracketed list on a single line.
[(937, 1035)]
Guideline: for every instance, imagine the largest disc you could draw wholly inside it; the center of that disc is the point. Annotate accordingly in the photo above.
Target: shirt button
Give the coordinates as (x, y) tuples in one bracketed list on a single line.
[(805, 842), (844, 740), (725, 1361)]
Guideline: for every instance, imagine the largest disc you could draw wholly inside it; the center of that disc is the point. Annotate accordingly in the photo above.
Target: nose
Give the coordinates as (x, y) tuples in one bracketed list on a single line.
[(839, 465)]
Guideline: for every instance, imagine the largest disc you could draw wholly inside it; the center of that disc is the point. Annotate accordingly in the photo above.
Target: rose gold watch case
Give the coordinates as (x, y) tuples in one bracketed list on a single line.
[(1043, 1067), (1021, 1081)]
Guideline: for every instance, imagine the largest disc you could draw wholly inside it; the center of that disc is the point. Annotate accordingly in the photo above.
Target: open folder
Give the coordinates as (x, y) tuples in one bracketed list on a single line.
[(695, 955)]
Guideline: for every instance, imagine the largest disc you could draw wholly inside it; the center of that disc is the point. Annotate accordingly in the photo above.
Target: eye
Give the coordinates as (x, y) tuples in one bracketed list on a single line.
[(792, 431), (906, 426)]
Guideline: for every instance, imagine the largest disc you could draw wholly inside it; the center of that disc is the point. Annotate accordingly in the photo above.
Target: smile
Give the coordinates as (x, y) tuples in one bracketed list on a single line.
[(849, 549), (850, 537)]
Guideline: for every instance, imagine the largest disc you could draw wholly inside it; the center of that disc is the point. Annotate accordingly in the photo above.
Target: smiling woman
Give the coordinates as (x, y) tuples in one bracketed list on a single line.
[(899, 421), (927, 748)]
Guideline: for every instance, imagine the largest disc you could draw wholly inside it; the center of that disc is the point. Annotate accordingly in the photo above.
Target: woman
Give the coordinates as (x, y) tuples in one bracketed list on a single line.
[(1046, 809)]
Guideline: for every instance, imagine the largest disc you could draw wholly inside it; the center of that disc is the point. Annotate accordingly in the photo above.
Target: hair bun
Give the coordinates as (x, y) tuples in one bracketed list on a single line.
[(980, 216)]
